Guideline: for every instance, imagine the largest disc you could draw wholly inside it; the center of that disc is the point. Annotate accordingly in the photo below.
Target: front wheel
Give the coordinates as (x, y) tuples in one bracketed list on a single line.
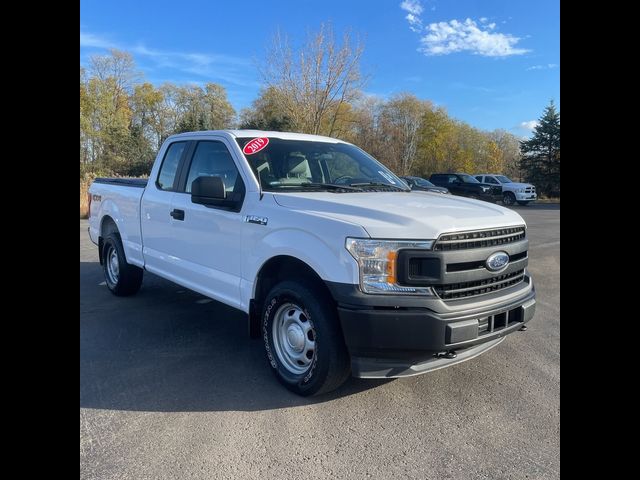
[(508, 198), (522, 203), (303, 340)]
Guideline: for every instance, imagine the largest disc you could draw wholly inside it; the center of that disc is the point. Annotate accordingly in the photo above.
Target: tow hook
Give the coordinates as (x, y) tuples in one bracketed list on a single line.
[(450, 354), (523, 328)]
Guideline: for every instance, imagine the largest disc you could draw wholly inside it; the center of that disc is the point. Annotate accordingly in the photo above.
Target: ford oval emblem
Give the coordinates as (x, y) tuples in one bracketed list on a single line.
[(497, 261)]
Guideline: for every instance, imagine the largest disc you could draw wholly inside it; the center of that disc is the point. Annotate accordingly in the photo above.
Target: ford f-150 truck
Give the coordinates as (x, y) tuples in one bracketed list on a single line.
[(339, 267)]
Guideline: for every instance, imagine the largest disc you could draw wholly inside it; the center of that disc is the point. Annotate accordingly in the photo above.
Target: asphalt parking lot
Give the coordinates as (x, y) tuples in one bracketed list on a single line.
[(172, 387)]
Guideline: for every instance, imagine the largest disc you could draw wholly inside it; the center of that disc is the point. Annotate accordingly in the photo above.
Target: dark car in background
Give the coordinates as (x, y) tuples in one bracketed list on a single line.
[(467, 186), (419, 183)]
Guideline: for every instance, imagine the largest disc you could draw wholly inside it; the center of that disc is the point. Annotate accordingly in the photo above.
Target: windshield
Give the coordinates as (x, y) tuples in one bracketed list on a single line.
[(423, 183), (503, 179), (299, 164), (467, 178)]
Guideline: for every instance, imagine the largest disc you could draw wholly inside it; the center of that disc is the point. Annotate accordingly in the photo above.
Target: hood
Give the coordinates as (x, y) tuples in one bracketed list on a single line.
[(398, 215), (517, 185)]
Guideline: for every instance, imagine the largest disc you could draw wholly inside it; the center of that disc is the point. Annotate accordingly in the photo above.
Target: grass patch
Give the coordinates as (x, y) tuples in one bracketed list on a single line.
[(548, 200)]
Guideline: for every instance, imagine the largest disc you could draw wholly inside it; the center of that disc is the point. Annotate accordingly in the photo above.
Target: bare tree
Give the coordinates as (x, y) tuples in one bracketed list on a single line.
[(313, 84), (402, 118), (509, 144), (117, 71)]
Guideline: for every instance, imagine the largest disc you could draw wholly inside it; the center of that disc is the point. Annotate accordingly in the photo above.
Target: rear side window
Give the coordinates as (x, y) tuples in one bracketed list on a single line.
[(169, 166), (479, 178)]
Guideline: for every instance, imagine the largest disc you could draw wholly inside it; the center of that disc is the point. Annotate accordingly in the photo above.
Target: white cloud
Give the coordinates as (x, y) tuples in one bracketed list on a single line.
[(413, 17), (484, 19), (548, 66), (415, 24), (95, 41), (412, 6), (443, 38), (209, 66), (530, 125), (475, 88)]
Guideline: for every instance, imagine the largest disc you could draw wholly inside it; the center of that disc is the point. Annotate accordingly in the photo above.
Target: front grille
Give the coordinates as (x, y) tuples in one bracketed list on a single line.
[(480, 238), (530, 189), (477, 264), (478, 287)]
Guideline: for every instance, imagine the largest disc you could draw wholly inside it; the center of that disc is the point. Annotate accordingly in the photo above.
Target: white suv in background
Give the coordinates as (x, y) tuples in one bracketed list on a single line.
[(512, 192)]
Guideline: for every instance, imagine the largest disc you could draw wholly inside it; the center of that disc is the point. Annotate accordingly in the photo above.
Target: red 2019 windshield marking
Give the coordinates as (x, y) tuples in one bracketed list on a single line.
[(255, 145)]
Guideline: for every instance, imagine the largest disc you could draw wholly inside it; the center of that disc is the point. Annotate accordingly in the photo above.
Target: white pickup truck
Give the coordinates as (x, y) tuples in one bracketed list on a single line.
[(512, 192), (340, 268)]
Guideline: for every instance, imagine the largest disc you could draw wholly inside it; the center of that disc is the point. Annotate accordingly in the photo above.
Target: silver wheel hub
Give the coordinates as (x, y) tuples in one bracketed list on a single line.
[(113, 267), (294, 338)]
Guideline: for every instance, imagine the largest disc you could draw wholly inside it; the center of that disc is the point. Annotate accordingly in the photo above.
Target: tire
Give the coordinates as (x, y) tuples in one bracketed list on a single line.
[(303, 340), (523, 203), (121, 278), (508, 198)]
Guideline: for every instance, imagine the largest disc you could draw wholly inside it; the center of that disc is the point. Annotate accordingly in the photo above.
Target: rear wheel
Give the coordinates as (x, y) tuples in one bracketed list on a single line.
[(508, 198), (122, 278), (303, 340)]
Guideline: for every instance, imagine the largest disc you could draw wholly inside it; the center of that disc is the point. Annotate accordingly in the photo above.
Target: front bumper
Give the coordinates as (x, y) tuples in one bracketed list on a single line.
[(529, 197), (403, 336)]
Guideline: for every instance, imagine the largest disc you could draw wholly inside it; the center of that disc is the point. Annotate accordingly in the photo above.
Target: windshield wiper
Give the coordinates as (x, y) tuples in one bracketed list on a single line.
[(330, 186), (379, 184)]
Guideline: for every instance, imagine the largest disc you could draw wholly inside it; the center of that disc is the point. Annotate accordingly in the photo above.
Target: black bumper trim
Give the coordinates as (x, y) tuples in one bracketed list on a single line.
[(364, 367), (396, 338)]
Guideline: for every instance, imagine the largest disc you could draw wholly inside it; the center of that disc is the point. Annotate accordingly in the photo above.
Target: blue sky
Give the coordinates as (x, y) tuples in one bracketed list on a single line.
[(491, 63)]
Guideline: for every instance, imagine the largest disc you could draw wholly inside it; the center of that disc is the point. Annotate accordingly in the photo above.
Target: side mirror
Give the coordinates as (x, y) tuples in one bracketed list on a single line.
[(208, 190)]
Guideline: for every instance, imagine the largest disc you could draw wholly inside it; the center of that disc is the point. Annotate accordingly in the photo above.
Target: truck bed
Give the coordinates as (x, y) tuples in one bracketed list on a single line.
[(127, 182), (119, 198)]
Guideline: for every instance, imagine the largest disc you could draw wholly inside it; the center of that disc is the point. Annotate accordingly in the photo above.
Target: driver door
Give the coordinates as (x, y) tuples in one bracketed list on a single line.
[(207, 238)]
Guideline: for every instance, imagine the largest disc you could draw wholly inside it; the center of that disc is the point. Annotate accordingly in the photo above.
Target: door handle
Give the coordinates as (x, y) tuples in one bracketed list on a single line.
[(177, 214)]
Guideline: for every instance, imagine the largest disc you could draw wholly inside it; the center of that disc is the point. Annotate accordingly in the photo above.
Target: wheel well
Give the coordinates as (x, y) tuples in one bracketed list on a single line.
[(106, 225), (509, 193), (274, 270)]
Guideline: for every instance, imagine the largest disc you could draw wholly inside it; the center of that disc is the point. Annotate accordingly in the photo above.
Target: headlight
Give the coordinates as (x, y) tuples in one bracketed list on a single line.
[(377, 260), (520, 190)]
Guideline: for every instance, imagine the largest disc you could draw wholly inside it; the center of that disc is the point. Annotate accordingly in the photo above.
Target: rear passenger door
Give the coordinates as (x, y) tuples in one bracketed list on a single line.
[(155, 211), (206, 241)]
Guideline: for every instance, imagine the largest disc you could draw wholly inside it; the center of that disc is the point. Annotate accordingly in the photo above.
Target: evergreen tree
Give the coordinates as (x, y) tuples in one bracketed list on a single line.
[(541, 153)]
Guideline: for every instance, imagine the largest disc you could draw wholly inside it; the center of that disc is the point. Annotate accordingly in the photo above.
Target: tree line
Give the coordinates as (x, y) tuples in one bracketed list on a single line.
[(316, 87)]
